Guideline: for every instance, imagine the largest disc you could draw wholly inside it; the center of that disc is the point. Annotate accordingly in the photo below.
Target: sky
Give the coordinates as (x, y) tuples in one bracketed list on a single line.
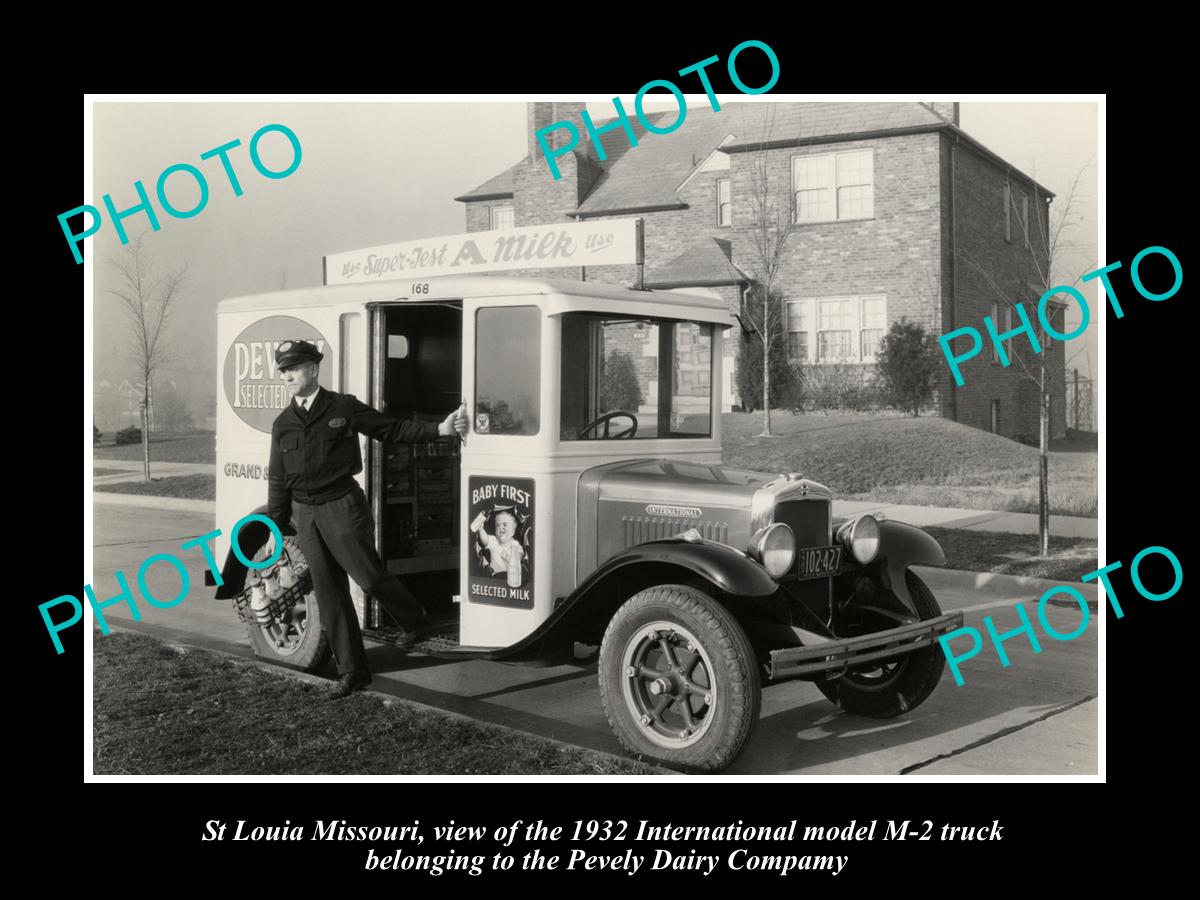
[(376, 173)]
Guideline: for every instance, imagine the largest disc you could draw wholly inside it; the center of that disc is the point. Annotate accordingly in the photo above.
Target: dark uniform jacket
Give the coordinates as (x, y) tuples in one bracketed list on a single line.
[(315, 460)]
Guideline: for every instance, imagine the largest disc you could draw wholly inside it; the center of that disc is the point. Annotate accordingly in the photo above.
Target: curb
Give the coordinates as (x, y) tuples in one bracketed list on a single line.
[(181, 504)]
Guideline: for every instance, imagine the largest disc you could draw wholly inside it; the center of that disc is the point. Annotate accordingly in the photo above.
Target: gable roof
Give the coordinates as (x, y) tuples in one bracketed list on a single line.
[(706, 262), (650, 178)]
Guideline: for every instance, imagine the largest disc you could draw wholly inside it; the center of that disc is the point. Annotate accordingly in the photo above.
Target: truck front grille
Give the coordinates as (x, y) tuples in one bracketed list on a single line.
[(808, 519)]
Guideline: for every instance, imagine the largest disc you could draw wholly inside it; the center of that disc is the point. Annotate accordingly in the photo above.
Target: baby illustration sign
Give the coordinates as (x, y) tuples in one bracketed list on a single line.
[(500, 565)]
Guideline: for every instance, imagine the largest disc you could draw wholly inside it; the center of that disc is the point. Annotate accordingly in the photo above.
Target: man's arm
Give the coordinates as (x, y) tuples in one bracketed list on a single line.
[(381, 427), (279, 496)]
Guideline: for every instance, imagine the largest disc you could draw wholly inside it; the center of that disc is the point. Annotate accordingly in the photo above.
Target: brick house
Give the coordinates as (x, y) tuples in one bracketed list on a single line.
[(895, 212)]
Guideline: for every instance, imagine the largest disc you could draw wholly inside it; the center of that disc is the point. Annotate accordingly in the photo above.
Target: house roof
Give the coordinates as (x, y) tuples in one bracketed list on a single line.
[(651, 177), (706, 262), (495, 187)]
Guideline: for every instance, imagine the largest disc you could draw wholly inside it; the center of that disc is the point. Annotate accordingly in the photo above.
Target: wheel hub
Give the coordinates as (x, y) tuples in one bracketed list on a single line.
[(668, 684)]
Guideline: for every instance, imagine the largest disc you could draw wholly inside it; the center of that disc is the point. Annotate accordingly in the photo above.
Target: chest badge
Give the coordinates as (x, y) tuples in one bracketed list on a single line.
[(337, 423)]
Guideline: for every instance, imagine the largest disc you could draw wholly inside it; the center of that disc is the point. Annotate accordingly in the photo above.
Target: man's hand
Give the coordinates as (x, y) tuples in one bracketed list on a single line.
[(455, 423)]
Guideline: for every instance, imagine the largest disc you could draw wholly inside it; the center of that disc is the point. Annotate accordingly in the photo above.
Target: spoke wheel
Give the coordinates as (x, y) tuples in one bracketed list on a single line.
[(668, 684), (679, 680), (892, 687)]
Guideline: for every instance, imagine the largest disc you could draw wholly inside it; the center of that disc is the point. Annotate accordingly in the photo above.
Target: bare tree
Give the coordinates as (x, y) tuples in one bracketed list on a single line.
[(150, 295), (1046, 243), (770, 228)]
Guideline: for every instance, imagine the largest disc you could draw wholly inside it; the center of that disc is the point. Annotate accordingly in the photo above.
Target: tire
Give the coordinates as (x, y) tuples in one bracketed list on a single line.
[(297, 639), (894, 686), (696, 712)]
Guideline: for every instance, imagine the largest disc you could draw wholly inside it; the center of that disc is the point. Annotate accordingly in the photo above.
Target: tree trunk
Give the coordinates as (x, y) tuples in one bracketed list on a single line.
[(146, 434), (1044, 473), (766, 432)]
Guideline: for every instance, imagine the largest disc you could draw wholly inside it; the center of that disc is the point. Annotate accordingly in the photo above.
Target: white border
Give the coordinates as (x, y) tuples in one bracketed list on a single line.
[(692, 99)]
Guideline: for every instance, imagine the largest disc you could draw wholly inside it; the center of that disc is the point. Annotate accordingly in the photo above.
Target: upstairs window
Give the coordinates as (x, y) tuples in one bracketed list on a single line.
[(832, 186), (501, 217), (724, 202), (1008, 212)]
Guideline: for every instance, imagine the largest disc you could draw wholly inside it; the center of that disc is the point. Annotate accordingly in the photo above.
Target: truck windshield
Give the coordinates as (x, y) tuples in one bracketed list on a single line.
[(635, 378)]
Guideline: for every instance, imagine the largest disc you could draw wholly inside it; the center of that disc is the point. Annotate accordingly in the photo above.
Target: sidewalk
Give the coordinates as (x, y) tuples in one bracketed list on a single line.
[(131, 470), (971, 519)]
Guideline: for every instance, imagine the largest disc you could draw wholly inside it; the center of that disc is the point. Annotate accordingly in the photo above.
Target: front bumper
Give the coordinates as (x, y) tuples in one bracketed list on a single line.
[(841, 654)]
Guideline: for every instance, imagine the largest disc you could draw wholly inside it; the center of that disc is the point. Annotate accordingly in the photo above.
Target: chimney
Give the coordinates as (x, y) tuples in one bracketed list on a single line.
[(541, 115), (948, 111)]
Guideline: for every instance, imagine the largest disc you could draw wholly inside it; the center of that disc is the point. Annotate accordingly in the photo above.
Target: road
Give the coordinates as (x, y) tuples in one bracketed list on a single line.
[(1036, 717)]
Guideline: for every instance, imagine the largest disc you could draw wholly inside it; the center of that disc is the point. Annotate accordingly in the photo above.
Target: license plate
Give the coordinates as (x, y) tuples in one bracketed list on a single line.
[(818, 561)]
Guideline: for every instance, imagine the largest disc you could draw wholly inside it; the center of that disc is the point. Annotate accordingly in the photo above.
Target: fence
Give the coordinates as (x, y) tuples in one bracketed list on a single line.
[(1081, 403)]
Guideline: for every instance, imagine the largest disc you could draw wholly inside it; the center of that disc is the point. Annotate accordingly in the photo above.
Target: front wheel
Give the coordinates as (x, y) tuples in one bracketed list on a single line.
[(894, 686), (679, 680), (285, 628)]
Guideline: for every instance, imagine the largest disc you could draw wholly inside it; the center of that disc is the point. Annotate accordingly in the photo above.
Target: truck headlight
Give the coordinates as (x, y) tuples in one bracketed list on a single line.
[(774, 547), (861, 537)]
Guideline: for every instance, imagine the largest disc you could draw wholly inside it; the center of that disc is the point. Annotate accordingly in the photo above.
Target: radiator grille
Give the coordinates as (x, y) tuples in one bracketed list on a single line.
[(640, 529), (808, 519)]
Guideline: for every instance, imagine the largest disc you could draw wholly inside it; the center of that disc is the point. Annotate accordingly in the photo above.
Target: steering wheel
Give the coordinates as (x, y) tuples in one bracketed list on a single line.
[(605, 419)]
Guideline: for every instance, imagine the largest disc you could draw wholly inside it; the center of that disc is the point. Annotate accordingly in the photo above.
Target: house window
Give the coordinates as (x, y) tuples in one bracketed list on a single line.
[(799, 327), (1025, 217), (995, 417), (874, 321), (846, 329), (833, 186), (724, 202), (1008, 212), (501, 217), (996, 320)]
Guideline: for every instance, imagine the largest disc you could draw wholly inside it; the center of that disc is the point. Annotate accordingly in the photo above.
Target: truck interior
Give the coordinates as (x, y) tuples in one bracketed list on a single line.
[(417, 374)]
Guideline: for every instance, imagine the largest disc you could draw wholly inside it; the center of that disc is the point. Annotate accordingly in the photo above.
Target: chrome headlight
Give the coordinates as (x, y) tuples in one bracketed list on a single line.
[(774, 547), (861, 537)]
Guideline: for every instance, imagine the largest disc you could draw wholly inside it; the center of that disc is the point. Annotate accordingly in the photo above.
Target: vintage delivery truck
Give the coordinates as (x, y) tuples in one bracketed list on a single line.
[(587, 507)]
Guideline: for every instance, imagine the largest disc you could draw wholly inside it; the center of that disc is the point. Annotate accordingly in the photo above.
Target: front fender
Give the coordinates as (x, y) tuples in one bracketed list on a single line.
[(900, 546), (671, 561), (726, 568)]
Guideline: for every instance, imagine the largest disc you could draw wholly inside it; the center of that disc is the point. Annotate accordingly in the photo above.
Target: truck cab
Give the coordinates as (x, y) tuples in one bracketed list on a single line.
[(586, 507)]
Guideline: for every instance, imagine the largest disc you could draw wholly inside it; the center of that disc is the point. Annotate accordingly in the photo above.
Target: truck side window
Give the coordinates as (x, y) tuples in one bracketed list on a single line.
[(650, 377), (507, 376)]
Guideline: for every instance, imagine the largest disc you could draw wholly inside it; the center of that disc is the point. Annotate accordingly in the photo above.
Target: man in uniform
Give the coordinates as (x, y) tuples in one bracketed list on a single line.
[(314, 458)]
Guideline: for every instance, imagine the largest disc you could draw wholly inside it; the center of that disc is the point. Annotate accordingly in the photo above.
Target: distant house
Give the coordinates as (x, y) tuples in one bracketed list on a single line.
[(896, 212)]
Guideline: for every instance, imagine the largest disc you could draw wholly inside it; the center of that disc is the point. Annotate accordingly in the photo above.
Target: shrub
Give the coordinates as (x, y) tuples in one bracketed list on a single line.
[(96, 434), (838, 386), (130, 435), (785, 387), (619, 388), (908, 364)]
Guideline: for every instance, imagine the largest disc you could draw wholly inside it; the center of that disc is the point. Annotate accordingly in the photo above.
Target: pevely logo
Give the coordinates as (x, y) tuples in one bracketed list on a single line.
[(253, 386), (675, 512)]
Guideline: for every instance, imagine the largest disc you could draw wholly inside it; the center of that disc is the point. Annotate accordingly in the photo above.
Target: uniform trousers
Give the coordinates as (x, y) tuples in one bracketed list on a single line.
[(338, 539)]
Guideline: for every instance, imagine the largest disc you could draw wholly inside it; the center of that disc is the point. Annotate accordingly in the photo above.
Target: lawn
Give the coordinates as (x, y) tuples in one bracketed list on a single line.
[(195, 487), (98, 472), (924, 461), (165, 710), (200, 448), (1015, 554)]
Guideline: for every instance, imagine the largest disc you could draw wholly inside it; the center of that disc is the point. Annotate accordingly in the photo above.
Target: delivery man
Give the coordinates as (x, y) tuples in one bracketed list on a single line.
[(314, 458)]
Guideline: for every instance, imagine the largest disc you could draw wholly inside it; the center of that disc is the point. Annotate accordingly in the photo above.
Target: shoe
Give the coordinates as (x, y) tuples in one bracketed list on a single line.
[(349, 682)]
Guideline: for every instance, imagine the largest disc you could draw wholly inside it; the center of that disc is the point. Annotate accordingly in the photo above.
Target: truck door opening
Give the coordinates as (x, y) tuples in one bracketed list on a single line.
[(417, 374)]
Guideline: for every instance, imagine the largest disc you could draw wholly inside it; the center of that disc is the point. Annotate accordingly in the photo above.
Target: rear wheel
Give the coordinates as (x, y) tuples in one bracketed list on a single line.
[(678, 679), (894, 686), (286, 629)]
